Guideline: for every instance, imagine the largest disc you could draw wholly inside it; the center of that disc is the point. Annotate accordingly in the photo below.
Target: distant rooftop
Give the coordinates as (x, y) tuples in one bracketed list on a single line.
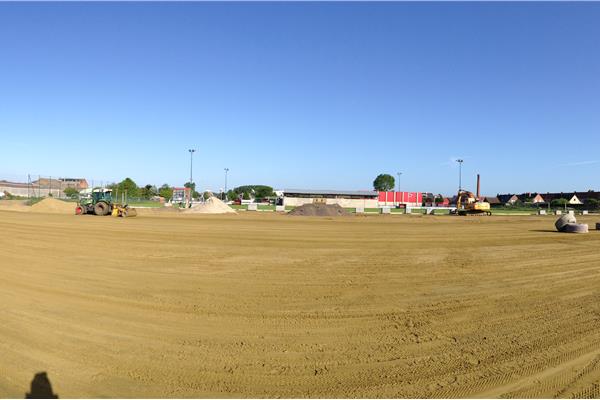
[(331, 192)]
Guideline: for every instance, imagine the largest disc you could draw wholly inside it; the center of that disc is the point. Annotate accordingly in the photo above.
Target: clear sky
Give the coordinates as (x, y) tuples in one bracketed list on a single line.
[(304, 95)]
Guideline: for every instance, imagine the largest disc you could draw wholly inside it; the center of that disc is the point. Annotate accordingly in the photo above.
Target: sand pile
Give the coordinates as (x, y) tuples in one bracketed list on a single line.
[(53, 206), (319, 210), (211, 206)]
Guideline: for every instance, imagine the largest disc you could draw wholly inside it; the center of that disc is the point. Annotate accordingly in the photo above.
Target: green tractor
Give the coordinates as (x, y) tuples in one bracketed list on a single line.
[(99, 202)]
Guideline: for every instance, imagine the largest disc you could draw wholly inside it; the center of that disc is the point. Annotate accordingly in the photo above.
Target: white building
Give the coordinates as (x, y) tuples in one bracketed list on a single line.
[(344, 198)]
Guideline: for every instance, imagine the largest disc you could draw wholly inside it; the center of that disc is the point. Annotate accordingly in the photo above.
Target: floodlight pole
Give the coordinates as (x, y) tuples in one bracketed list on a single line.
[(459, 161), (226, 171), (399, 176), (192, 151)]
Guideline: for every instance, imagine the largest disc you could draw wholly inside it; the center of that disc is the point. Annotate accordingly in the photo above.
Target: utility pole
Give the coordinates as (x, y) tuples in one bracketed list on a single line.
[(192, 151), (459, 161)]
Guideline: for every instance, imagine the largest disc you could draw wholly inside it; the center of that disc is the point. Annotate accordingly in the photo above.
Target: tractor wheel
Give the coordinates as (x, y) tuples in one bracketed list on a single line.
[(79, 210), (101, 208)]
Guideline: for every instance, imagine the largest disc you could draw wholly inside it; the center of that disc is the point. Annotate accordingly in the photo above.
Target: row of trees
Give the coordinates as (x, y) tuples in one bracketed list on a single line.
[(129, 186), (248, 192)]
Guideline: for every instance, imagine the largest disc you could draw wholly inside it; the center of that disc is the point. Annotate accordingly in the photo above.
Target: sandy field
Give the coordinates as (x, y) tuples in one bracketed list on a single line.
[(264, 305)]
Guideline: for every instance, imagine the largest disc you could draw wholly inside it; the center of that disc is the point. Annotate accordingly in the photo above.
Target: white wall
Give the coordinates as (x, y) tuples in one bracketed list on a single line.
[(32, 192)]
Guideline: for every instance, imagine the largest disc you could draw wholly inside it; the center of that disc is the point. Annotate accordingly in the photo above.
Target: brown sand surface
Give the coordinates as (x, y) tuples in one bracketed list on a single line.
[(319, 210), (264, 305), (158, 211), (14, 205)]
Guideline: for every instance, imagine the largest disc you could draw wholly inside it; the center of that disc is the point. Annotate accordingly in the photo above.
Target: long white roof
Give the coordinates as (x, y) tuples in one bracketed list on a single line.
[(331, 192)]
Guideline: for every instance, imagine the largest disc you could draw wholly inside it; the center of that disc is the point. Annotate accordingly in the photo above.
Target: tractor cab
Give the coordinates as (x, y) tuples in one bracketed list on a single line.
[(102, 195)]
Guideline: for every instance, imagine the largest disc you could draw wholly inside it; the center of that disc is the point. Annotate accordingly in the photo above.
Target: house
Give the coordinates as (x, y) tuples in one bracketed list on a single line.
[(493, 200), (538, 199), (586, 196), (508, 199), (532, 198), (572, 198), (575, 200), (76, 183)]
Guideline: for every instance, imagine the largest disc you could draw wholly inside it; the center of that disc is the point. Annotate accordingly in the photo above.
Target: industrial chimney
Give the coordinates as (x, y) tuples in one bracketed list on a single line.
[(477, 195)]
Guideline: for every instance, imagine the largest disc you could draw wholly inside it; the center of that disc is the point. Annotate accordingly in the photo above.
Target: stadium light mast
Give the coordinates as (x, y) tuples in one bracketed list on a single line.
[(399, 176), (459, 161), (226, 171), (192, 151)]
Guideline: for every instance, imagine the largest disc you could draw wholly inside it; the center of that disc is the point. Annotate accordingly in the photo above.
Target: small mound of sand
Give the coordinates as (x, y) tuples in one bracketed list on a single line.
[(319, 210), (53, 206), (211, 206)]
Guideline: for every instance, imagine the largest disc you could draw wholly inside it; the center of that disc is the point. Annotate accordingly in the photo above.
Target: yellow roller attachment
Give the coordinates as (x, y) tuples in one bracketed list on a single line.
[(129, 212)]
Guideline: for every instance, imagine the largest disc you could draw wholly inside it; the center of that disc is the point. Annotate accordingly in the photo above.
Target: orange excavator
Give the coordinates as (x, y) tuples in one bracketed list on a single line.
[(469, 204)]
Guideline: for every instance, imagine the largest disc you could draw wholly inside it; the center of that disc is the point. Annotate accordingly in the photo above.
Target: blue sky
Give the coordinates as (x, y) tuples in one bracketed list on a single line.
[(304, 95)]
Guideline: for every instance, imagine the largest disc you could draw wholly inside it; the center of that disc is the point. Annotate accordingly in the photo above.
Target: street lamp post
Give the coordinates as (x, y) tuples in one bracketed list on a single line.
[(192, 151), (459, 161), (398, 200)]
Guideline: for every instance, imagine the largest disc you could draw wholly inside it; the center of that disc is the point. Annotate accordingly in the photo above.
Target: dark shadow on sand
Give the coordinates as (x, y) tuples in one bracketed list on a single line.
[(41, 388)]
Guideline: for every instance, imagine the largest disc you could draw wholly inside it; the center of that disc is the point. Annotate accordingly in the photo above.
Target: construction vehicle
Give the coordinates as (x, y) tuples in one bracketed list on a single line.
[(99, 202), (469, 204)]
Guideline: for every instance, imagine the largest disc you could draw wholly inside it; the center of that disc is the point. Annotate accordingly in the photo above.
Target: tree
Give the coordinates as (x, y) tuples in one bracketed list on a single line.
[(592, 203), (148, 191), (250, 191), (127, 186), (559, 202), (384, 183), (71, 192), (165, 191), (231, 195)]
